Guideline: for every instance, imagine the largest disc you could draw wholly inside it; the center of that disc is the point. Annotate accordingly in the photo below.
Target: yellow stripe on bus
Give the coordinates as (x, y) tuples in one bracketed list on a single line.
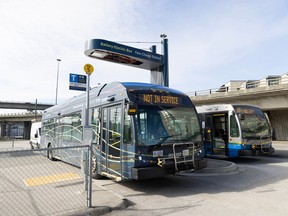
[(30, 182)]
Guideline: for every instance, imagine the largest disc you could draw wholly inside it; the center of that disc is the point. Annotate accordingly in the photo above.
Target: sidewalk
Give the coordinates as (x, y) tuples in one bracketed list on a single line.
[(103, 202)]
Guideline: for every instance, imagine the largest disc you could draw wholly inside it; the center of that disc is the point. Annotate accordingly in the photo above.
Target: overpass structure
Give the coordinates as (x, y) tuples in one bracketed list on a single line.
[(269, 93), (23, 105), (18, 125)]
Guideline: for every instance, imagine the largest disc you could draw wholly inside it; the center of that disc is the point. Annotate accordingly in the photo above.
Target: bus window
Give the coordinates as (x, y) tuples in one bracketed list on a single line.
[(127, 134), (76, 127), (95, 126), (234, 129), (71, 128), (114, 126)]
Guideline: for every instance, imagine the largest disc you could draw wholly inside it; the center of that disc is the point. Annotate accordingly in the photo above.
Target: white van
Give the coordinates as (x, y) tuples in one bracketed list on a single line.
[(35, 135)]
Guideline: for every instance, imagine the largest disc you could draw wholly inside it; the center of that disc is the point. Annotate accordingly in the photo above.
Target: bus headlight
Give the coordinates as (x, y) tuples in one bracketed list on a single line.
[(140, 158)]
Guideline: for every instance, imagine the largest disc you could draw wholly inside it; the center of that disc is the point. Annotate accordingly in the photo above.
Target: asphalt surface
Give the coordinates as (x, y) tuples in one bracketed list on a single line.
[(105, 201)]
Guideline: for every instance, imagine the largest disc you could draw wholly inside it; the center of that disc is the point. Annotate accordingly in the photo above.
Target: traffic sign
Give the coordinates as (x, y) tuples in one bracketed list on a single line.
[(77, 82), (88, 68)]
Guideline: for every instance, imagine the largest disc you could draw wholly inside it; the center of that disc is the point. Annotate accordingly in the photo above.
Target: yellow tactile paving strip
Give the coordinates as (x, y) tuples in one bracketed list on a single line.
[(42, 180)]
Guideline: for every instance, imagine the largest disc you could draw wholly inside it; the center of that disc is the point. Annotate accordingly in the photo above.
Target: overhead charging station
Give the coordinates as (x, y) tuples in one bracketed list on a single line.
[(118, 53)]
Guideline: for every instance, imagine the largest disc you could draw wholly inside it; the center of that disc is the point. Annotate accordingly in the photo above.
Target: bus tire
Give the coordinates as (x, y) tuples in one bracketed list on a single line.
[(50, 153), (32, 147), (95, 175)]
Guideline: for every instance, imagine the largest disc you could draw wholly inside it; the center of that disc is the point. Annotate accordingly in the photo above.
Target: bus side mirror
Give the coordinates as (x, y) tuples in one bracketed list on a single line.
[(132, 108), (241, 116)]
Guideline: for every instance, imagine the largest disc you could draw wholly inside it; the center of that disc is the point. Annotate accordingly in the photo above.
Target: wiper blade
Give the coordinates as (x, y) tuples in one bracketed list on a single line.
[(163, 139)]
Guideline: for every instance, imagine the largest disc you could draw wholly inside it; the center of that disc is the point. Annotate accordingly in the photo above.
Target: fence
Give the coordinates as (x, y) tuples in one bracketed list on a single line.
[(30, 184)]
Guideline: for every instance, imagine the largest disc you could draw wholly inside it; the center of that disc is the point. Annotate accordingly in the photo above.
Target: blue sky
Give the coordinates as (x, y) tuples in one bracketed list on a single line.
[(210, 42)]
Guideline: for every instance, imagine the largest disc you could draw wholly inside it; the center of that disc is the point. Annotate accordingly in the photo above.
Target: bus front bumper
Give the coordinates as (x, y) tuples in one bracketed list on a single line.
[(157, 171), (257, 152)]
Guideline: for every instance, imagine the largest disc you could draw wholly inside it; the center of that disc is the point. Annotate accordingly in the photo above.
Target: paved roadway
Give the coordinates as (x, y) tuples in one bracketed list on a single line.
[(245, 186), (16, 144), (30, 184), (257, 186)]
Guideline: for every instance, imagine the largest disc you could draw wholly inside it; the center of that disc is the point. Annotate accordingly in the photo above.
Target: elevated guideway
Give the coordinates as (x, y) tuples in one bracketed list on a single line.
[(18, 125), (270, 93), (268, 98), (23, 105)]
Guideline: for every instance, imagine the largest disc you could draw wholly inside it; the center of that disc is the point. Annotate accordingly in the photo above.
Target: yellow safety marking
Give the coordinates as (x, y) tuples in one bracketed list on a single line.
[(36, 181)]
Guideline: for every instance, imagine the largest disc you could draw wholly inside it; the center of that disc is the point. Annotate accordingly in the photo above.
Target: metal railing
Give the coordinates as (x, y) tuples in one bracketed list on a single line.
[(245, 85)]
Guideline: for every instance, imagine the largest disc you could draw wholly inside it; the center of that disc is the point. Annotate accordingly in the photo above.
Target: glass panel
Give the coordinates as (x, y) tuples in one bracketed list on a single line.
[(254, 125), (71, 128), (167, 124), (95, 126), (253, 122), (234, 129), (127, 134), (114, 140)]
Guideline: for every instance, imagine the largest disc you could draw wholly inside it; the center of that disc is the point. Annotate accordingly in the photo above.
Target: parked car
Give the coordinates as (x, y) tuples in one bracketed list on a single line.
[(35, 135)]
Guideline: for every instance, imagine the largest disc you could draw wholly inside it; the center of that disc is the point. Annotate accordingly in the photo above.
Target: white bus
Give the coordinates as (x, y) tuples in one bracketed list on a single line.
[(140, 131), (235, 130)]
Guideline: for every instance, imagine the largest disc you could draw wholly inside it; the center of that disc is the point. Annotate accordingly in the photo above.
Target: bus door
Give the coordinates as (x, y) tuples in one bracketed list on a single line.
[(110, 141), (219, 130)]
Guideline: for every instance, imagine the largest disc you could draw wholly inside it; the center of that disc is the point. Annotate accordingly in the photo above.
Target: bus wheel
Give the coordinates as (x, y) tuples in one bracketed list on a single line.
[(32, 147), (95, 175), (50, 153)]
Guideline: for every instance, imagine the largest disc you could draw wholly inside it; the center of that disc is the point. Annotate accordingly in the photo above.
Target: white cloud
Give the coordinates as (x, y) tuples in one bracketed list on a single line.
[(210, 42)]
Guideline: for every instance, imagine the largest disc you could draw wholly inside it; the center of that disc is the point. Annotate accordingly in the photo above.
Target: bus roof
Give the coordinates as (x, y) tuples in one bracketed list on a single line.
[(212, 108), (118, 90)]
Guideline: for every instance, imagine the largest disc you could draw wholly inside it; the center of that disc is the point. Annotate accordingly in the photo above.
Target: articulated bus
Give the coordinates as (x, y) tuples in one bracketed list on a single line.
[(235, 130), (140, 131)]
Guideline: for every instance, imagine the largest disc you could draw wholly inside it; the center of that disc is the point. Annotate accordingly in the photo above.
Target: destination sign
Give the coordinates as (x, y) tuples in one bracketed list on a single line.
[(245, 110), (163, 99), (160, 99)]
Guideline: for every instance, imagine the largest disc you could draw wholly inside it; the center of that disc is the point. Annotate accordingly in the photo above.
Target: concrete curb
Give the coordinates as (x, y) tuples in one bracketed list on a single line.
[(104, 201), (214, 167)]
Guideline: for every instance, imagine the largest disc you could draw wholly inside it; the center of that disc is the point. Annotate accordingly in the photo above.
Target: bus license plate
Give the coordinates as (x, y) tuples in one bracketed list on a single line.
[(185, 152), (158, 153)]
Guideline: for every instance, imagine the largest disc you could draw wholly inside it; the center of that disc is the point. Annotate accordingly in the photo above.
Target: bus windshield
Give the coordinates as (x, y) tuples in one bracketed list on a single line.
[(253, 122), (156, 125)]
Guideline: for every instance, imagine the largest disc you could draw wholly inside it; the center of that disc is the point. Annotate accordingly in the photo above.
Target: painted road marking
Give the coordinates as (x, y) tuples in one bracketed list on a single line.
[(30, 182)]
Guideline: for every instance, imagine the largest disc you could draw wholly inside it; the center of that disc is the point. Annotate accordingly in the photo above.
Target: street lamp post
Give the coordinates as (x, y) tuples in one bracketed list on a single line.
[(57, 81)]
